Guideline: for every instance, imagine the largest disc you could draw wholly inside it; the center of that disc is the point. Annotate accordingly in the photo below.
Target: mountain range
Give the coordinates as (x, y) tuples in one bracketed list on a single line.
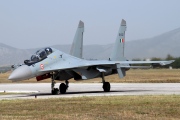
[(158, 46)]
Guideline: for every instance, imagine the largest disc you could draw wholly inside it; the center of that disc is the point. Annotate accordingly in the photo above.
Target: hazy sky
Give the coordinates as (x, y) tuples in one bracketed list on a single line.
[(40, 23)]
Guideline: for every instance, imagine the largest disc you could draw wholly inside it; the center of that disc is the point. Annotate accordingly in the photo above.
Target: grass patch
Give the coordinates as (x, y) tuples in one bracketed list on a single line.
[(10, 93), (90, 108), (4, 93)]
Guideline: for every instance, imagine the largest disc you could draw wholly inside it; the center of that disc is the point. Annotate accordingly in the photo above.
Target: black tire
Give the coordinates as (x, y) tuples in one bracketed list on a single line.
[(62, 88), (106, 87), (52, 92), (55, 91)]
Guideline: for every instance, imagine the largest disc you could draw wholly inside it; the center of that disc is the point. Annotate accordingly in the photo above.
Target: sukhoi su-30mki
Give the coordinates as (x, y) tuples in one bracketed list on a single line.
[(57, 65)]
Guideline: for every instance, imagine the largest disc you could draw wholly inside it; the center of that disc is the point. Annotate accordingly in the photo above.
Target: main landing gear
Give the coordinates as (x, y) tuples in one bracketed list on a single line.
[(62, 87), (106, 85)]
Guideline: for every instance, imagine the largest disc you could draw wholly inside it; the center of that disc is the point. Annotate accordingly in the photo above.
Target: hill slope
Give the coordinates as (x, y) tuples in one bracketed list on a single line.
[(159, 46)]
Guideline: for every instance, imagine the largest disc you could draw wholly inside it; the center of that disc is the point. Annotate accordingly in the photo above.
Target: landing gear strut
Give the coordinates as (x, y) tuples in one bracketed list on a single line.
[(54, 91), (63, 87), (106, 85)]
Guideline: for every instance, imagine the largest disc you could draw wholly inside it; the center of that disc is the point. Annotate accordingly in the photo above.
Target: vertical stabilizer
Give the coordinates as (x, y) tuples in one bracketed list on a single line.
[(77, 45), (118, 48)]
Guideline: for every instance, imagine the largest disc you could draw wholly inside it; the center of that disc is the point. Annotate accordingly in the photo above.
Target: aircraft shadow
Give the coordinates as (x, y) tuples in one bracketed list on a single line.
[(88, 92), (74, 93)]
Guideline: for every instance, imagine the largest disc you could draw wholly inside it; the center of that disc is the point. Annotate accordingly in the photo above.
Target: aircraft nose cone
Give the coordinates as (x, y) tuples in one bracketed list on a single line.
[(21, 73)]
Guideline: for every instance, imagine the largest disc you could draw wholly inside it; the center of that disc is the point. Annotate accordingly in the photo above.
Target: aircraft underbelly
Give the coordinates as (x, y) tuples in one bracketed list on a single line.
[(89, 74), (63, 75)]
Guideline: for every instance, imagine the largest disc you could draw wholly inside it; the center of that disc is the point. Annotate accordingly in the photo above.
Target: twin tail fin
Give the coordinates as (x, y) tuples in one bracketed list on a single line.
[(77, 45), (118, 48)]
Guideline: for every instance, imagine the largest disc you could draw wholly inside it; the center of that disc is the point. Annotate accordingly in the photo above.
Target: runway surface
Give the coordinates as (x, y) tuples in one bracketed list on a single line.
[(43, 90)]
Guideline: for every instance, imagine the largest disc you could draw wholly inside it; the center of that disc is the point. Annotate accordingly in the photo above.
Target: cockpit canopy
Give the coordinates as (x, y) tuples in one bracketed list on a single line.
[(39, 56)]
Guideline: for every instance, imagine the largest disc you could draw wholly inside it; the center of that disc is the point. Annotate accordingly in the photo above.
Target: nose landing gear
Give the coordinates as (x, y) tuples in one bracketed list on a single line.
[(63, 87), (54, 91)]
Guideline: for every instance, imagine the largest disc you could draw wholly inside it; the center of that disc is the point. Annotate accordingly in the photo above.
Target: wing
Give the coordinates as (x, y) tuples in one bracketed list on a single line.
[(148, 62), (105, 63)]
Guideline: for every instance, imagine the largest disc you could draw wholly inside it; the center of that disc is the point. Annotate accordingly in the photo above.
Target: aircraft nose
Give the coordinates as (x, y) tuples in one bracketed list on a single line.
[(21, 73)]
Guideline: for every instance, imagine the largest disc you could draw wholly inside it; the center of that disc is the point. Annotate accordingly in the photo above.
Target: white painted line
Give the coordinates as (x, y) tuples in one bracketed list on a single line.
[(10, 91)]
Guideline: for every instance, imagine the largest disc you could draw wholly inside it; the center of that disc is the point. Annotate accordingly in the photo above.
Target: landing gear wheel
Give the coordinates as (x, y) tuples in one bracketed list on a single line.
[(55, 91), (106, 86), (62, 88)]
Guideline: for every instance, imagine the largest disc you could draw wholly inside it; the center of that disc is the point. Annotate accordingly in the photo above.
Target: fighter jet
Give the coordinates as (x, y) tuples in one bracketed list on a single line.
[(52, 63)]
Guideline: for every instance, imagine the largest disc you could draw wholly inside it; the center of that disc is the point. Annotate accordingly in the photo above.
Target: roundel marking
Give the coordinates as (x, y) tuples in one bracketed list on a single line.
[(41, 66)]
